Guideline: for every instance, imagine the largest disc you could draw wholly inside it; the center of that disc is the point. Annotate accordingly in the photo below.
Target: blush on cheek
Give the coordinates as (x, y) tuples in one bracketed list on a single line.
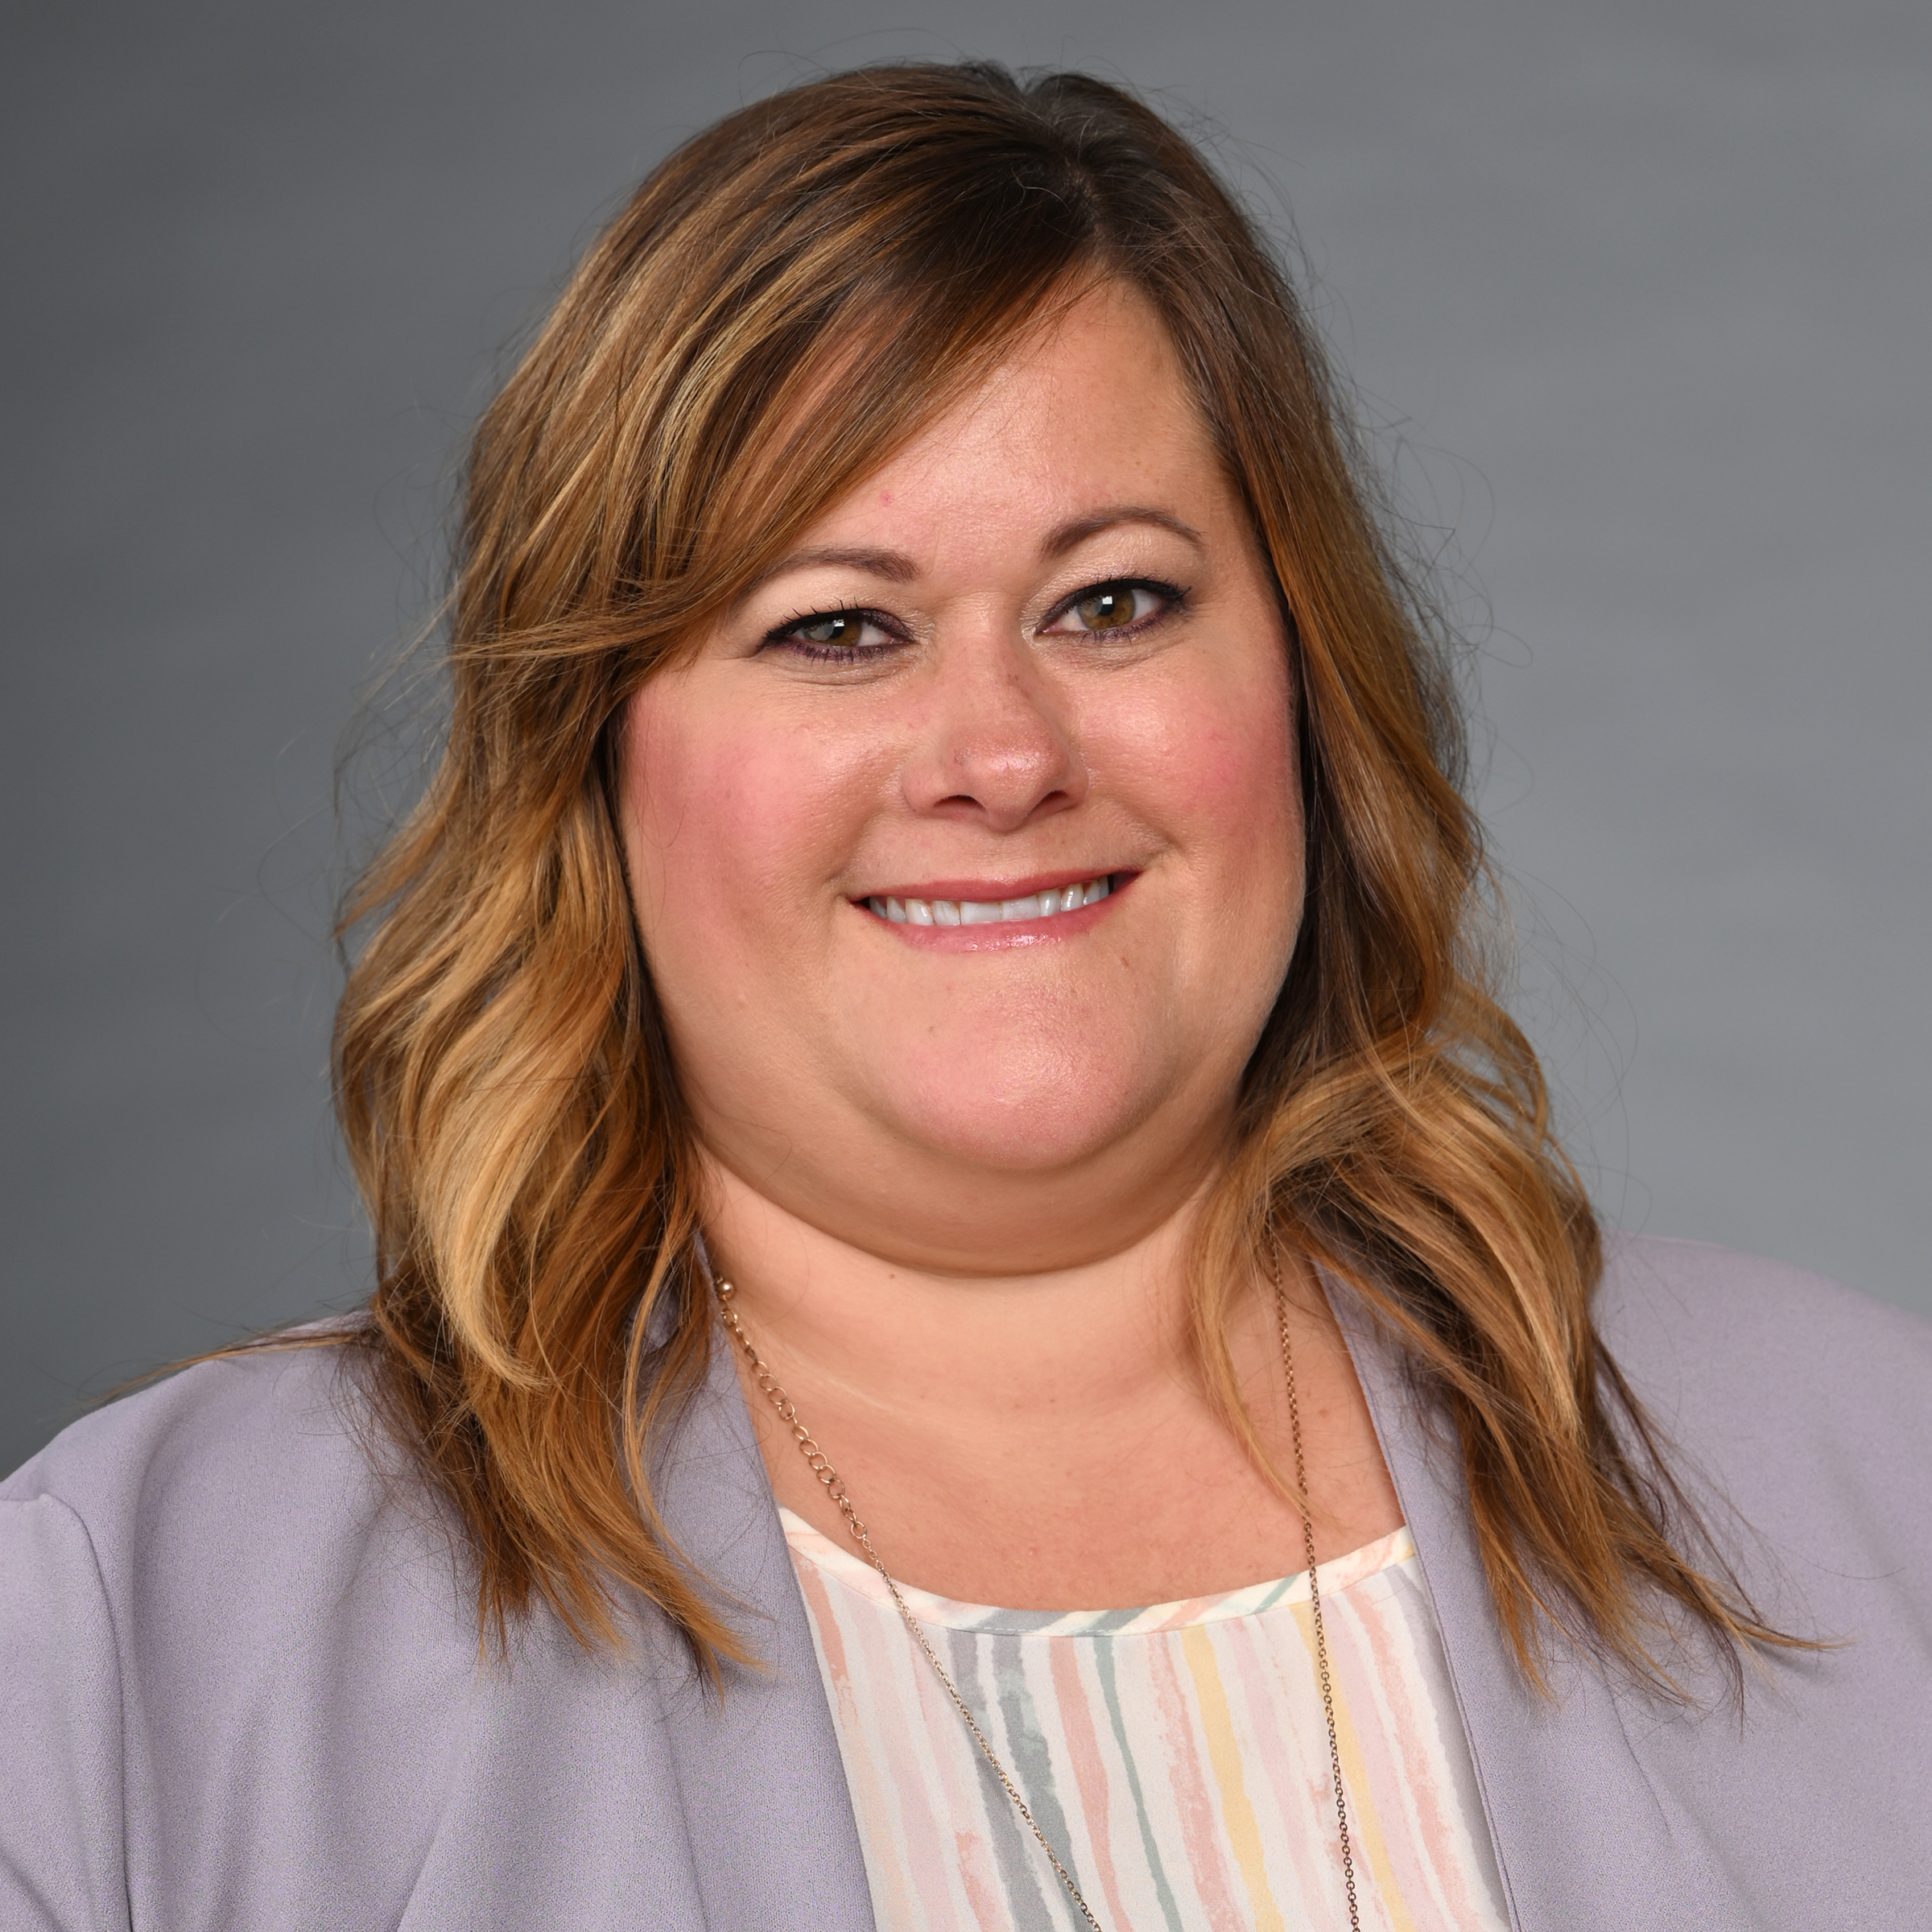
[(731, 824), (685, 821), (654, 788), (1240, 774), (1231, 784), (1219, 764), (681, 809)]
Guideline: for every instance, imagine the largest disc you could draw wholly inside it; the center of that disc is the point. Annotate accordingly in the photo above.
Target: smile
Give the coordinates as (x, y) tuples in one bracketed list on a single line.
[(992, 912)]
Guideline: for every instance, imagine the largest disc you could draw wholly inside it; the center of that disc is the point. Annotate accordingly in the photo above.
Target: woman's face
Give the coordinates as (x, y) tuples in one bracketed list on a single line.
[(966, 851)]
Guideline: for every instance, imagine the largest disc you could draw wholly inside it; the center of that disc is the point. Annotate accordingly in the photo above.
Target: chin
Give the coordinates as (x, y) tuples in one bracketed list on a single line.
[(1025, 1113)]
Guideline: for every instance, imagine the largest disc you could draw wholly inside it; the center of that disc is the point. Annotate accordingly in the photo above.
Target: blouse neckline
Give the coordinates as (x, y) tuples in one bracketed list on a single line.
[(850, 1569)]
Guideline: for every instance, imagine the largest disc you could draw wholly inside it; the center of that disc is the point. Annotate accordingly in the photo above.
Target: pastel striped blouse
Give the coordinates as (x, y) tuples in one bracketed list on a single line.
[(1176, 1757)]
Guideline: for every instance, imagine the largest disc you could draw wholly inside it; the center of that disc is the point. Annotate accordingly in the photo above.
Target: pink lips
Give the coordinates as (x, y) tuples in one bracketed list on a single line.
[(988, 891)]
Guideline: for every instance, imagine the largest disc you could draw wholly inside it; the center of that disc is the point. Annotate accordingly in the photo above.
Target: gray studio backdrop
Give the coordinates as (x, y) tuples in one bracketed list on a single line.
[(1638, 295)]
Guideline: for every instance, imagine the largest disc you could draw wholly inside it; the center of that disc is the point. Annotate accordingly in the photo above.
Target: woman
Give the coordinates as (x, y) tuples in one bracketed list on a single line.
[(977, 1321)]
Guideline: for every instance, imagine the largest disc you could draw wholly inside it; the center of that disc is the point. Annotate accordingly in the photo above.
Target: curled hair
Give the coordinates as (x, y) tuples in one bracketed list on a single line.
[(784, 302)]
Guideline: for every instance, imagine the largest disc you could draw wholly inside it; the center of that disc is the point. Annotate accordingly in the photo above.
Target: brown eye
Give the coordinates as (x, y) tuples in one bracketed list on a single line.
[(1113, 609), (835, 637), (840, 627)]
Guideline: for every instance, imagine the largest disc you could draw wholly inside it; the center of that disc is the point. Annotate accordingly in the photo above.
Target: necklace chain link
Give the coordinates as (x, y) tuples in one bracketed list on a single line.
[(833, 1484)]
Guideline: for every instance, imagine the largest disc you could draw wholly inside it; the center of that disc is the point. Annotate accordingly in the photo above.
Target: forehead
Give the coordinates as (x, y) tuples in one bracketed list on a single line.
[(1089, 407)]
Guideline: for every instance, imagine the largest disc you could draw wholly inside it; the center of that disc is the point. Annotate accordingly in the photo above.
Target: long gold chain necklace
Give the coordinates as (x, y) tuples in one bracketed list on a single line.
[(835, 1489)]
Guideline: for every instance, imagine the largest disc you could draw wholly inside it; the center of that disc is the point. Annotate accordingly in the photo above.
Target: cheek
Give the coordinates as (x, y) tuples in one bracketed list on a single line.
[(728, 823), (1214, 762), (1245, 788)]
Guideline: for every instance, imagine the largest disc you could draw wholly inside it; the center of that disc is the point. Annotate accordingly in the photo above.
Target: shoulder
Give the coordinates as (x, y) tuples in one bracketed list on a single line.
[(1800, 1412), (215, 1530), (240, 1656), (1730, 1341), (243, 1684), (241, 1457)]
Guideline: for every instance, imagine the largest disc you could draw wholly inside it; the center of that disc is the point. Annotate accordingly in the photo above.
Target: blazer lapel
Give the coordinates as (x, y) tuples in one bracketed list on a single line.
[(1579, 1834), (770, 1816)]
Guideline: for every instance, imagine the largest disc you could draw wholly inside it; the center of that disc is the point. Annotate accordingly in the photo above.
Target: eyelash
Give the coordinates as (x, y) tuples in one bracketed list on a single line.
[(782, 636), (1174, 601)]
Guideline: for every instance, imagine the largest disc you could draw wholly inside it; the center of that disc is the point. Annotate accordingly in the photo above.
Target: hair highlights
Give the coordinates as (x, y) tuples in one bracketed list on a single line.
[(781, 304)]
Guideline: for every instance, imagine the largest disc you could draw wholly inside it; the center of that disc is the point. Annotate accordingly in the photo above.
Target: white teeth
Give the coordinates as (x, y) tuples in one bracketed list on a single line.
[(991, 912)]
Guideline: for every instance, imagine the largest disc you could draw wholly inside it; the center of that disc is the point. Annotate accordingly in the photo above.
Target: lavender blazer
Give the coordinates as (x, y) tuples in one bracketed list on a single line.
[(240, 1683)]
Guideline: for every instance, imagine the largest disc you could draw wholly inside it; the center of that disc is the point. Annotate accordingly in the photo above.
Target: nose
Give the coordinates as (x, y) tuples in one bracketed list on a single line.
[(997, 749)]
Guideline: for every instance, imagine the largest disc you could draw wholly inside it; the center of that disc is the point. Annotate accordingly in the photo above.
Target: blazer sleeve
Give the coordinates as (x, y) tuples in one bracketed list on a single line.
[(63, 1862)]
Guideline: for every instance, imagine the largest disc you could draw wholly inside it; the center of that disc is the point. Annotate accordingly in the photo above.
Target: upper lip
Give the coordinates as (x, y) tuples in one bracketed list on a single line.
[(986, 891)]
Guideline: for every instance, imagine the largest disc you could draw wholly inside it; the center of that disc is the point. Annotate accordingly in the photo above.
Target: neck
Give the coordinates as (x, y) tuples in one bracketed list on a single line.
[(890, 1338), (1046, 1439)]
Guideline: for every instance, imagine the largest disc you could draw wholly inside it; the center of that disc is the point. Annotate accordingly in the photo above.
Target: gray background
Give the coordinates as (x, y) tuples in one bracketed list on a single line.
[(1637, 295)]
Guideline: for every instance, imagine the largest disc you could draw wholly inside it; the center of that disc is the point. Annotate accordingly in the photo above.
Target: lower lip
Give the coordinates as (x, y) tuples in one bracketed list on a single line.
[(1004, 933)]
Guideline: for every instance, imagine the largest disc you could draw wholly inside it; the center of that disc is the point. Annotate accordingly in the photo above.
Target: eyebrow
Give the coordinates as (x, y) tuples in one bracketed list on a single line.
[(895, 566), (1069, 536)]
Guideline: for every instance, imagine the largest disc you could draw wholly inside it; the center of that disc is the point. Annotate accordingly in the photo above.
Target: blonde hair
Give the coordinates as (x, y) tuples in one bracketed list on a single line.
[(872, 241)]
